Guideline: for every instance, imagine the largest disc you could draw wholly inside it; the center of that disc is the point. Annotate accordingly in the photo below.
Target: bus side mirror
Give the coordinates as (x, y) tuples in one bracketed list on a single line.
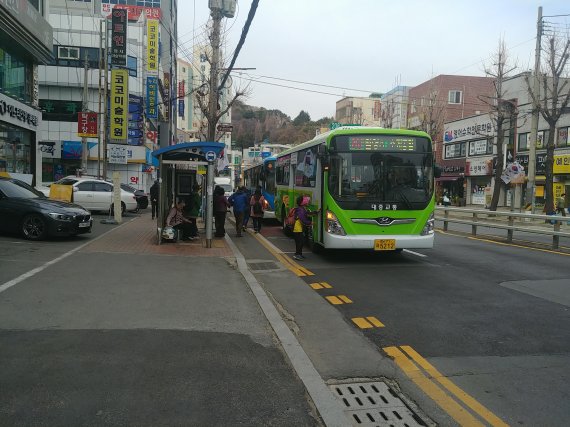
[(436, 171), (325, 161)]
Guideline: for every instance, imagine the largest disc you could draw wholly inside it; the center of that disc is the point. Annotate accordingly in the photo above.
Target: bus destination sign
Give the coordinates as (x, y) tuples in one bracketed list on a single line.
[(381, 143)]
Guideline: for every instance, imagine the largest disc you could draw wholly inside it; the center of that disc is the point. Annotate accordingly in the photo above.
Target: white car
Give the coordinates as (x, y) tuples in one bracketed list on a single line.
[(95, 194)]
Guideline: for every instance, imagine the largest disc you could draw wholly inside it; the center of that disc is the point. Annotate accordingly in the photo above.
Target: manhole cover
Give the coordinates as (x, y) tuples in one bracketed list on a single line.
[(259, 266), (374, 404)]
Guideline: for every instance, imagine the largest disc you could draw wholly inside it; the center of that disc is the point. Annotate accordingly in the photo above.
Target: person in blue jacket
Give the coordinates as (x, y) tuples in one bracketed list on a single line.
[(240, 203)]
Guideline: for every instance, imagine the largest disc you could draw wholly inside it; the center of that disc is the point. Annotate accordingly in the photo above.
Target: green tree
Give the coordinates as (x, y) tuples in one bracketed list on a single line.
[(302, 118)]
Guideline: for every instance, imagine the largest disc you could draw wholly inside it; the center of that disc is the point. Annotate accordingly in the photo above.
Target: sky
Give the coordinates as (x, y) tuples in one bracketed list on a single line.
[(356, 47)]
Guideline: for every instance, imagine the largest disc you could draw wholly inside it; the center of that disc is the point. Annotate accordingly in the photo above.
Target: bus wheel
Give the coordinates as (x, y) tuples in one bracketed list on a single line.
[(317, 248), (398, 251)]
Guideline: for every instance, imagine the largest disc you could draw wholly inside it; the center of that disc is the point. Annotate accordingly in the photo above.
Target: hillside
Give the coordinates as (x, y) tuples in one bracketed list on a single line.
[(253, 125)]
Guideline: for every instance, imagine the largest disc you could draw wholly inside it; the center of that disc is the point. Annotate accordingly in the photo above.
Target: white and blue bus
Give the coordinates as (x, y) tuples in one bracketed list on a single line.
[(262, 175)]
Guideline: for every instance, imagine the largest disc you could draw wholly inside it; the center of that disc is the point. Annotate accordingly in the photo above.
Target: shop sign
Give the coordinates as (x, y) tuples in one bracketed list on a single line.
[(133, 12), (540, 165), (561, 164), (18, 114), (87, 125), (152, 97), (166, 95), (479, 167), (181, 99), (152, 46), (119, 105), (452, 169), (476, 148), (117, 155), (119, 37), (71, 150), (462, 131)]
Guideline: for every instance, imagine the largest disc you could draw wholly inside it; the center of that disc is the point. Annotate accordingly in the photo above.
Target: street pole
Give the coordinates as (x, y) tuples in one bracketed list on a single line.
[(84, 108), (105, 97), (530, 189), (99, 115), (213, 104), (209, 202)]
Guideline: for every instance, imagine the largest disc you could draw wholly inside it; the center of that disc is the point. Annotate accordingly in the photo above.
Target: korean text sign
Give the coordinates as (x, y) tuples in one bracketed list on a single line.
[(152, 46), (87, 124), (152, 97), (119, 105), (119, 37)]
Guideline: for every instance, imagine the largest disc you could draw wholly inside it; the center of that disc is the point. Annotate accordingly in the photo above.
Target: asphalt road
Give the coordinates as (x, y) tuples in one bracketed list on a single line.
[(494, 318)]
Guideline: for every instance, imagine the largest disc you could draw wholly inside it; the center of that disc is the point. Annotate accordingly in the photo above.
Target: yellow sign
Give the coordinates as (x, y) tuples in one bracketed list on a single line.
[(152, 46), (202, 170), (557, 190), (63, 193), (561, 164), (119, 106)]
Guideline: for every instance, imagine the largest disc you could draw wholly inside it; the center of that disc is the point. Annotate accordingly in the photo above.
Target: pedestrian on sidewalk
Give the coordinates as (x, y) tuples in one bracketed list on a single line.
[(192, 211), (561, 204), (302, 221), (178, 221), (239, 202), (154, 194), (247, 212), (221, 206), (258, 205)]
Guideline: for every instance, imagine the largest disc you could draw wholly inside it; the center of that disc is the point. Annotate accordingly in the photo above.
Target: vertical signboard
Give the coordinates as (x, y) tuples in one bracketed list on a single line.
[(119, 105), (87, 124), (152, 46), (119, 37), (152, 97), (166, 95), (181, 98)]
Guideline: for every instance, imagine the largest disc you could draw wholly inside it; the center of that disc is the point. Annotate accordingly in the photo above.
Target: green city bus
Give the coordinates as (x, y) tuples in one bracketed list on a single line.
[(374, 188)]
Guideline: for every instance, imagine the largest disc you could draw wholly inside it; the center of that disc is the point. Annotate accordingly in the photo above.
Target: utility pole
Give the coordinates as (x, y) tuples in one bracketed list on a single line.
[(105, 96), (84, 108), (100, 89), (213, 102), (530, 188)]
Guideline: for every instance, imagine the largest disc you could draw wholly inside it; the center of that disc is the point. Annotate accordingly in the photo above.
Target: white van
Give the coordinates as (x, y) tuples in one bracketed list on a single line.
[(225, 183)]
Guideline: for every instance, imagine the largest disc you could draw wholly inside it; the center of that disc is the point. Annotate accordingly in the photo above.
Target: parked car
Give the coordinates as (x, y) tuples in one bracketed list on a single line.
[(95, 194), (26, 210), (140, 196)]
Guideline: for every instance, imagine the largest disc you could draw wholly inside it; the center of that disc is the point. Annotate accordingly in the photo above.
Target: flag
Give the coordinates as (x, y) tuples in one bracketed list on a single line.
[(222, 161)]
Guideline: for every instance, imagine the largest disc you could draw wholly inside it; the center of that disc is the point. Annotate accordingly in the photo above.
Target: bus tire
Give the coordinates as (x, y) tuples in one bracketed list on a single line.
[(317, 248)]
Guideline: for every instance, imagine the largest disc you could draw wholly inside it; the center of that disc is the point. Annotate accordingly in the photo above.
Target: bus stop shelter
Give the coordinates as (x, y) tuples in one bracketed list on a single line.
[(178, 167)]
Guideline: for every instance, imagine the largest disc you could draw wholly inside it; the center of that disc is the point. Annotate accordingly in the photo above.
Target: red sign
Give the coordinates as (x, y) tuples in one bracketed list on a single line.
[(87, 124), (133, 12), (181, 89)]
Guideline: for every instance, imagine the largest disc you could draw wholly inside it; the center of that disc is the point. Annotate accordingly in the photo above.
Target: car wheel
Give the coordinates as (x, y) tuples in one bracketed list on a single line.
[(123, 208), (143, 204), (34, 227)]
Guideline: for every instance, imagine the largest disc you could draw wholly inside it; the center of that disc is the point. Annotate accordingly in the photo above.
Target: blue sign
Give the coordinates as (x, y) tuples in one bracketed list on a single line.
[(134, 117), (152, 97), (134, 99), (265, 154), (135, 133), (135, 125), (71, 150), (210, 156), (135, 108), (135, 141), (180, 108)]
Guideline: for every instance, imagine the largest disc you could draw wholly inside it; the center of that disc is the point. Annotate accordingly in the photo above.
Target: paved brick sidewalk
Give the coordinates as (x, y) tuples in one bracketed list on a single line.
[(139, 235)]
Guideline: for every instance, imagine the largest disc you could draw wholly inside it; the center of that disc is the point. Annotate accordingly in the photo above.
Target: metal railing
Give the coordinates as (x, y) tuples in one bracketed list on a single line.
[(548, 225)]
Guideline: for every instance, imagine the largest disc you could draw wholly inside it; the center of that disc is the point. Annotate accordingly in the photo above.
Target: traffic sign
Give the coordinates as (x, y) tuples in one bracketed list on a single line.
[(225, 127), (210, 156)]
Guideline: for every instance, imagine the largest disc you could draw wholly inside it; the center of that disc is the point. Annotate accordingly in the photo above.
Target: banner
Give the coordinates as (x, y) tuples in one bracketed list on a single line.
[(152, 97), (152, 46), (119, 105), (133, 12), (166, 95), (119, 37), (181, 96), (87, 125)]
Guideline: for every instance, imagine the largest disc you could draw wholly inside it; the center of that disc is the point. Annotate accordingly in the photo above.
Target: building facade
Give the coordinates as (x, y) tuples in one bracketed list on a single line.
[(26, 40), (394, 108), (359, 111), (81, 30)]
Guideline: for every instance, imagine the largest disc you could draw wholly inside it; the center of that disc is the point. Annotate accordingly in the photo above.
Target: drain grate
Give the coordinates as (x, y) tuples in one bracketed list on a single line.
[(259, 266), (374, 404)]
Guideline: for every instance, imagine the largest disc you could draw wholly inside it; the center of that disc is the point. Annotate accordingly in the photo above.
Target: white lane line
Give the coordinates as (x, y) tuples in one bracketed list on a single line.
[(415, 253), (42, 267)]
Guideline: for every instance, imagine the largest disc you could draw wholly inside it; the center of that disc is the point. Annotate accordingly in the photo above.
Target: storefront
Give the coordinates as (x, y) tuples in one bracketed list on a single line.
[(561, 171), (478, 172), (451, 181)]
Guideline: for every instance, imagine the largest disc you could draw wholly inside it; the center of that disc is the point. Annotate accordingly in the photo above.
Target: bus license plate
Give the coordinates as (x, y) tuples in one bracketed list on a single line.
[(384, 245)]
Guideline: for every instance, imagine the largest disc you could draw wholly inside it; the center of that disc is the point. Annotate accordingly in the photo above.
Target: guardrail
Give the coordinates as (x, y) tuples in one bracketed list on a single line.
[(496, 219)]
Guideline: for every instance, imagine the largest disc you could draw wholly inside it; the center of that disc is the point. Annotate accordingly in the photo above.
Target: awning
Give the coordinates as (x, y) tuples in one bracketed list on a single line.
[(447, 178), (189, 151)]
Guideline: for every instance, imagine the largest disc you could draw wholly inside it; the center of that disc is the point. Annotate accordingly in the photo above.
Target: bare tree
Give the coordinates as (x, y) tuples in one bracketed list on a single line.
[(432, 114), (553, 100), (387, 113), (502, 111)]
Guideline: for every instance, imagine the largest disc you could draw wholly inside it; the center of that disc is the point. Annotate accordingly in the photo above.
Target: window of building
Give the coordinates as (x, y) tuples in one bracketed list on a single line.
[(480, 147), (454, 97), (562, 140), (454, 151), (523, 141), (67, 52), (15, 75), (15, 152), (132, 65)]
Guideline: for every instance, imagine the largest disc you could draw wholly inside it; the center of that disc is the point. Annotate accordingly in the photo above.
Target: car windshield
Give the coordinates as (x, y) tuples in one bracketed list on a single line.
[(66, 181), (19, 189), (227, 187)]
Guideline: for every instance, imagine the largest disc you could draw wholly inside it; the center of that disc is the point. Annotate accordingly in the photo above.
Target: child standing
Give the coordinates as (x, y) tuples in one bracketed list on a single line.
[(302, 220)]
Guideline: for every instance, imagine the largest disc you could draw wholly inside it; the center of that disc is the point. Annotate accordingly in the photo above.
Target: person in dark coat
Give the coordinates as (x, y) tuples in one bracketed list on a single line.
[(240, 203), (247, 212), (221, 206), (258, 205), (154, 194)]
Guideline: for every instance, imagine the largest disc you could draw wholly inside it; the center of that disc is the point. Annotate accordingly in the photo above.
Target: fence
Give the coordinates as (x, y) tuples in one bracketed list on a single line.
[(548, 225)]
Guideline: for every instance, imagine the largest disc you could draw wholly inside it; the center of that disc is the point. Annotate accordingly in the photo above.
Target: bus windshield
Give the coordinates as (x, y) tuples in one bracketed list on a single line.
[(363, 179)]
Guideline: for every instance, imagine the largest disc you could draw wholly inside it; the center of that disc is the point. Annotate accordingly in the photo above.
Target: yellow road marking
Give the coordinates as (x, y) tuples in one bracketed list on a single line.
[(460, 394), (345, 299), (375, 322), (326, 285), (316, 286), (362, 323), (519, 246), (285, 260), (334, 300), (454, 409)]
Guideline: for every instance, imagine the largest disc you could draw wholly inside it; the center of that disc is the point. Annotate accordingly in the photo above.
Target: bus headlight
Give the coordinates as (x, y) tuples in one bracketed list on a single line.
[(430, 223), (333, 226)]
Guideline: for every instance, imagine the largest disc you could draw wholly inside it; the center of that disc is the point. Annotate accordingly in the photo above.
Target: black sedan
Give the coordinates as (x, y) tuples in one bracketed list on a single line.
[(26, 210)]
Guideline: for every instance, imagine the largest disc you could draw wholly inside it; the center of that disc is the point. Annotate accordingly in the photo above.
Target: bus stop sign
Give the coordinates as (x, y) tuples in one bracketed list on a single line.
[(210, 156)]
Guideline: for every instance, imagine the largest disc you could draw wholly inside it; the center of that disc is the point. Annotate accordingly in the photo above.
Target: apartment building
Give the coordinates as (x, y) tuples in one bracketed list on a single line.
[(359, 111), (394, 108)]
